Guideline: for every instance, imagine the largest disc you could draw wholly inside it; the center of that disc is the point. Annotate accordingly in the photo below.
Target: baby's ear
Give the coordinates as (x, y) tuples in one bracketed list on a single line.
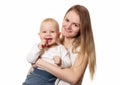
[(60, 35), (39, 33)]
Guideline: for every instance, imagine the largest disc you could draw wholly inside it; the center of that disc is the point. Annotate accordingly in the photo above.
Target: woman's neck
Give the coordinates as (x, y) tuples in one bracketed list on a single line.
[(68, 42)]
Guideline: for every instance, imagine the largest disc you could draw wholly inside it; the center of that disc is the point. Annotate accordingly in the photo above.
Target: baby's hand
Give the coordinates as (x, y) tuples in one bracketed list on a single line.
[(43, 44), (57, 60)]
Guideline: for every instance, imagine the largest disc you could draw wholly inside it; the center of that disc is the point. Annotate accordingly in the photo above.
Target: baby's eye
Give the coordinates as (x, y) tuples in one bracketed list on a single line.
[(52, 31), (43, 31)]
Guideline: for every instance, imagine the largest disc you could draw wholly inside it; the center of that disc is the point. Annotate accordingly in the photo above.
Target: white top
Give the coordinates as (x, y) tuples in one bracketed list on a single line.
[(73, 56), (48, 55)]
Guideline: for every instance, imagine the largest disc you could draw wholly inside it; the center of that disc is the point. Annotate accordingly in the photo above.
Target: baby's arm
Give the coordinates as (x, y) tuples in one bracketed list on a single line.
[(34, 54), (37, 51)]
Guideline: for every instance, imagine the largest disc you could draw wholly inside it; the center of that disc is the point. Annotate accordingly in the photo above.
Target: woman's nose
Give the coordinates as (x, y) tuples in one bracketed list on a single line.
[(68, 26)]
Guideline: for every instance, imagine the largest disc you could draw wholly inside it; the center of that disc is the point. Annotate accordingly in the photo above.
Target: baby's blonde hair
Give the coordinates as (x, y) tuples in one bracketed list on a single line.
[(51, 21)]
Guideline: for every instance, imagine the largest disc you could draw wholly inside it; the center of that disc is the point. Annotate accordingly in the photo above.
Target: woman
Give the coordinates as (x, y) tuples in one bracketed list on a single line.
[(77, 37)]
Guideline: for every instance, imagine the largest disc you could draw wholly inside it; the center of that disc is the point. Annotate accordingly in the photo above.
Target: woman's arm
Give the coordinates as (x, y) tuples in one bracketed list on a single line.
[(71, 75)]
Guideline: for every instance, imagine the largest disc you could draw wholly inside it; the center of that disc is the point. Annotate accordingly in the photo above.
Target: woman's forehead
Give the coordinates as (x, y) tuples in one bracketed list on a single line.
[(73, 16)]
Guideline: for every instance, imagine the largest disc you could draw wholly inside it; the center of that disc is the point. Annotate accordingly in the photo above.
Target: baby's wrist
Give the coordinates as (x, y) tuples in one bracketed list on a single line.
[(40, 47)]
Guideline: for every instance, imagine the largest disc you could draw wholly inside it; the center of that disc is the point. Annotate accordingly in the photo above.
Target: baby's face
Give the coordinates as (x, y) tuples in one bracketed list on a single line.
[(49, 32)]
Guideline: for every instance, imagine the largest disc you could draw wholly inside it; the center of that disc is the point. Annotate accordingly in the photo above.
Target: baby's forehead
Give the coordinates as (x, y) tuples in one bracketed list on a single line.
[(49, 25)]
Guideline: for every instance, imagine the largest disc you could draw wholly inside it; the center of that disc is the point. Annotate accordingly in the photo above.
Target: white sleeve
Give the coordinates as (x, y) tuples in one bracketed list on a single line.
[(34, 53)]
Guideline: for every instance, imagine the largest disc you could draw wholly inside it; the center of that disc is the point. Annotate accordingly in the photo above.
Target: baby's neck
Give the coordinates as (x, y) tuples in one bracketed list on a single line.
[(52, 45)]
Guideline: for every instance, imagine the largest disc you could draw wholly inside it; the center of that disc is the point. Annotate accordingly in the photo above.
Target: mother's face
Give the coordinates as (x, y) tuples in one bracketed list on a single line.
[(71, 25)]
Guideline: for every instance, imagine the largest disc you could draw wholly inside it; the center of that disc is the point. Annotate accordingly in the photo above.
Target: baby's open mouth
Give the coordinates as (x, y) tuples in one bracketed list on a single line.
[(48, 38)]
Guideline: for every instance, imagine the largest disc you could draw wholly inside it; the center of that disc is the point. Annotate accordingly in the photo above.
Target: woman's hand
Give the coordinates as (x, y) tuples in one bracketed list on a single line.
[(34, 65), (38, 63)]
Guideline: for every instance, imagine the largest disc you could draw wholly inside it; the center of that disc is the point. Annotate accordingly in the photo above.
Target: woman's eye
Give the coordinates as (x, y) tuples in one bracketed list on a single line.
[(76, 25), (67, 20)]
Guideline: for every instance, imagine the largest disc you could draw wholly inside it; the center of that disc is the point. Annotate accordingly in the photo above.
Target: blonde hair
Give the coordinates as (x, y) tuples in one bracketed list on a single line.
[(50, 20), (85, 38)]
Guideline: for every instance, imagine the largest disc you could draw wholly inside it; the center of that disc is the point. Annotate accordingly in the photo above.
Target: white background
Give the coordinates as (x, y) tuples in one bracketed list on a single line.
[(19, 25)]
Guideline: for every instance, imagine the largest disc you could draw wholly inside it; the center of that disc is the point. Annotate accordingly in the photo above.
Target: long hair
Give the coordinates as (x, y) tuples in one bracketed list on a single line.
[(85, 39)]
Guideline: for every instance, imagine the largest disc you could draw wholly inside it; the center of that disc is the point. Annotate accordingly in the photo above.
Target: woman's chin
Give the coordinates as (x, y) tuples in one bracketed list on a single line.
[(67, 35)]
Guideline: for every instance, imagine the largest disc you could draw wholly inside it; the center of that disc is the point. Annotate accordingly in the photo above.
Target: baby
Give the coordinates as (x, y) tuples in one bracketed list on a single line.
[(50, 50)]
